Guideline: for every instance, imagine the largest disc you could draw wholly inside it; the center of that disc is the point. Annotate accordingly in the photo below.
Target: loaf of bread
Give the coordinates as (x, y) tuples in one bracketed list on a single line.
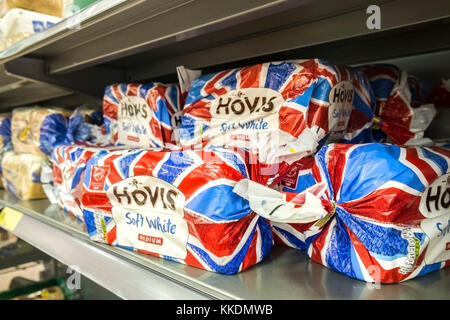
[(50, 7), (37, 130), (21, 175)]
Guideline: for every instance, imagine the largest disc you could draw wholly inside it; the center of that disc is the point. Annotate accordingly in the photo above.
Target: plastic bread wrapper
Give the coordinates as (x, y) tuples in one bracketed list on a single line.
[(423, 115), (271, 204), (281, 111), (142, 115), (185, 78), (85, 126), (387, 211), (50, 189), (18, 24), (402, 112), (39, 130)]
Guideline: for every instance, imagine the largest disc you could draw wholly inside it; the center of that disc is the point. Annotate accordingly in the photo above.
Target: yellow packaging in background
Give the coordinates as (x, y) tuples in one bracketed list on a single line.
[(50, 7)]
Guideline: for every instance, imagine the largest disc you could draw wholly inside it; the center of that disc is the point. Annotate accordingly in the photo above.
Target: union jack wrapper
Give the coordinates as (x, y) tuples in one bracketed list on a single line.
[(177, 205), (374, 212), (142, 115), (402, 114), (282, 111), (359, 129), (69, 164)]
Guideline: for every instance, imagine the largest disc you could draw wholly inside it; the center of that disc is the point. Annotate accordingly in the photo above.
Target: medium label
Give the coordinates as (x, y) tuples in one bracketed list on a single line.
[(134, 122), (438, 231), (341, 104), (435, 199)]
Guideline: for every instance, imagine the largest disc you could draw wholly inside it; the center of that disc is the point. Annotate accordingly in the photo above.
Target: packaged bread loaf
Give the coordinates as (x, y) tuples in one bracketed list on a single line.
[(401, 115), (38, 130), (282, 110), (49, 7), (85, 126), (374, 212), (142, 115), (21, 175), (69, 165), (175, 205)]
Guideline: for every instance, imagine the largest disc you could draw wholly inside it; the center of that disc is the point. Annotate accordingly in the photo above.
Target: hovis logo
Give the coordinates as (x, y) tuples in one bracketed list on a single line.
[(247, 101), (149, 216), (133, 107), (435, 199), (341, 105), (149, 193), (98, 177)]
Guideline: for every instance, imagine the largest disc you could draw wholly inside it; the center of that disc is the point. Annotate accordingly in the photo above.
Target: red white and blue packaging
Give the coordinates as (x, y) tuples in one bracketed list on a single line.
[(177, 205), (5, 137), (280, 110), (383, 211), (142, 115), (69, 164), (402, 114), (86, 126), (359, 128)]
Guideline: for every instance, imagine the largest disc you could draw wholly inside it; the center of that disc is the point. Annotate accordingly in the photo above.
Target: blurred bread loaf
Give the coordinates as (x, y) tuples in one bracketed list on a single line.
[(26, 127), (21, 175)]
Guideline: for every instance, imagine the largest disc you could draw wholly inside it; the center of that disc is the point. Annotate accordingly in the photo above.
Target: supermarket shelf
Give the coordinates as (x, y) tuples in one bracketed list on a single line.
[(140, 40), (29, 92), (16, 92), (286, 274)]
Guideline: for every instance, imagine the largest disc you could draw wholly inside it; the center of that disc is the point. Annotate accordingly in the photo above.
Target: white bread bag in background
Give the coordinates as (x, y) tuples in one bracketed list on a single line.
[(18, 24), (21, 175), (38, 130)]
